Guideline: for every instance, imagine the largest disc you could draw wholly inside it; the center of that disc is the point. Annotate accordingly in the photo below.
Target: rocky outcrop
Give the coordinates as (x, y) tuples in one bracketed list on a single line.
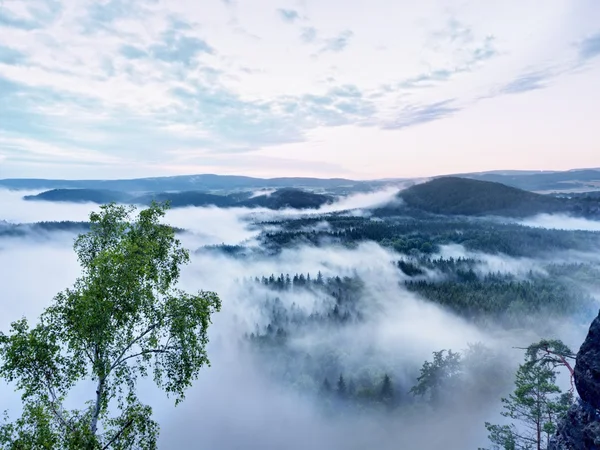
[(580, 430), (587, 367)]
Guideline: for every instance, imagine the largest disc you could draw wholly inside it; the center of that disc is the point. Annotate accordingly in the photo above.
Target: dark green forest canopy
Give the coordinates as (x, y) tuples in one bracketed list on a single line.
[(469, 197), (405, 234)]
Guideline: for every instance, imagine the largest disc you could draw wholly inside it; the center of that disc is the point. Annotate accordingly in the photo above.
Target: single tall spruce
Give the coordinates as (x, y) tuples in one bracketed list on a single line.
[(123, 319)]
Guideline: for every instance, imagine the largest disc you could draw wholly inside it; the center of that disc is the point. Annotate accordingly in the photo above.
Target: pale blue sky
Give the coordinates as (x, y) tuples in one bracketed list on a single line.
[(384, 88)]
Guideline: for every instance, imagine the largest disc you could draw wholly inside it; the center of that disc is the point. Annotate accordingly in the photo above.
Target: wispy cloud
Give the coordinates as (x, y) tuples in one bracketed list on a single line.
[(525, 83), (10, 55), (338, 43), (590, 47), (103, 13), (177, 47), (288, 15), (36, 14), (468, 51), (454, 31), (418, 114), (308, 34), (31, 150)]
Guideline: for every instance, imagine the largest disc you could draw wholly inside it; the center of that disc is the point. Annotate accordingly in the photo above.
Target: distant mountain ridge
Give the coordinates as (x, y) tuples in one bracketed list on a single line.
[(531, 180), (205, 182), (582, 179), (279, 199)]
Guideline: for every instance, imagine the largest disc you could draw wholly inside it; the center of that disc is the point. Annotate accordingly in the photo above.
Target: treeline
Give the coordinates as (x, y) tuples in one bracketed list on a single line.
[(509, 303), (499, 299), (24, 229), (340, 302), (494, 297), (424, 236), (345, 391)]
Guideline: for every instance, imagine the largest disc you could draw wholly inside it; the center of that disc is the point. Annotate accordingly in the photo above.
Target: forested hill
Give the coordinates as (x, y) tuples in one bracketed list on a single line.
[(99, 196), (463, 196), (282, 198)]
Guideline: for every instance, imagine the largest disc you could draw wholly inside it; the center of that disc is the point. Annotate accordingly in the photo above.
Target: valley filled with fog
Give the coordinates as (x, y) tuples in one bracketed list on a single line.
[(329, 314)]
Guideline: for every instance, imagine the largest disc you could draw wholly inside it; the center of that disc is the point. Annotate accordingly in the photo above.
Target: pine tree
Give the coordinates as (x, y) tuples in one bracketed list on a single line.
[(326, 386), (351, 388), (319, 278), (341, 386), (536, 405), (386, 393)]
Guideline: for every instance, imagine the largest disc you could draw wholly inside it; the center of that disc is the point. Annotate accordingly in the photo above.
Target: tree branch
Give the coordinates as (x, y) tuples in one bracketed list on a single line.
[(146, 352), (118, 435), (563, 360), (119, 359), (54, 402)]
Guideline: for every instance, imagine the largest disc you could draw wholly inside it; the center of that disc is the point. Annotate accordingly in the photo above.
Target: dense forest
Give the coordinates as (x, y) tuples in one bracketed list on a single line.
[(423, 233)]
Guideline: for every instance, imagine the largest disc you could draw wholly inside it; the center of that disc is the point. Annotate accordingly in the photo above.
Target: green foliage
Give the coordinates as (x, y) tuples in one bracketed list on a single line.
[(438, 376), (503, 299), (553, 353), (409, 232), (123, 319), (535, 407)]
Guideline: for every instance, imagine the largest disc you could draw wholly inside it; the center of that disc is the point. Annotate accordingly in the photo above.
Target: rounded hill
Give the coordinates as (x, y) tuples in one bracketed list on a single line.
[(463, 196)]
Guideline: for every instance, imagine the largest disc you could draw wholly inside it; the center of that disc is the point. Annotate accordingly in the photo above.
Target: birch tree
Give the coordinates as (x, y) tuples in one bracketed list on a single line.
[(123, 319)]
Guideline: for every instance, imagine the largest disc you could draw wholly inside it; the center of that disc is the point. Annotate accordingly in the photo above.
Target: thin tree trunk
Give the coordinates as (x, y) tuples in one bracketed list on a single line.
[(99, 392), (538, 422)]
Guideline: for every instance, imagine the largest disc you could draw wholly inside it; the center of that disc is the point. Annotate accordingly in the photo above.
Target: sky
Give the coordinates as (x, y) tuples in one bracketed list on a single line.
[(328, 88)]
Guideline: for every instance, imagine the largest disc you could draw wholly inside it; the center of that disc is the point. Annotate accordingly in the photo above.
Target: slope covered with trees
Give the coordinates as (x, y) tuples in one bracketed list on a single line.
[(280, 199), (98, 196), (454, 195)]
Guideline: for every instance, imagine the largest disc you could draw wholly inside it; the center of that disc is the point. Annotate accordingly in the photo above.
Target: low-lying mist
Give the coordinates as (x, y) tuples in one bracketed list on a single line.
[(239, 402), (562, 222)]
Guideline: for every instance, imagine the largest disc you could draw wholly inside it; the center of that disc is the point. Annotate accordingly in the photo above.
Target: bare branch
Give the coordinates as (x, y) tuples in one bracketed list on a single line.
[(147, 352), (119, 359), (118, 435), (54, 402)]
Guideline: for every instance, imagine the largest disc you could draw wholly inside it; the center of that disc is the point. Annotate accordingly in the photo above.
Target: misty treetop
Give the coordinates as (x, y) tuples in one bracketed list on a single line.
[(537, 403), (123, 319), (425, 233)]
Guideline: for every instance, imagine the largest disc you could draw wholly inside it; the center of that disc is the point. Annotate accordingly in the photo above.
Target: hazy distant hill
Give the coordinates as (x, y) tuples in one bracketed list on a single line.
[(187, 198), (207, 182), (583, 179), (454, 195), (80, 196), (282, 198), (288, 198)]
